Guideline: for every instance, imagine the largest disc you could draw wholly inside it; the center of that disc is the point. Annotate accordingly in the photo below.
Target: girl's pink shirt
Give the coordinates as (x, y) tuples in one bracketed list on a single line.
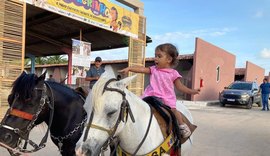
[(162, 85)]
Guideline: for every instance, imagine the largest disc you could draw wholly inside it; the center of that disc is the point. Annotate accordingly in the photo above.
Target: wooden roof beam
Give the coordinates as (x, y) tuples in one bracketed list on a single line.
[(71, 35), (47, 39), (41, 18)]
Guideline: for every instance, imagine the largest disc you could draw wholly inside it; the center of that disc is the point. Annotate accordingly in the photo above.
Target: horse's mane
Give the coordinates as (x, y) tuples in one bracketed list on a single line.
[(97, 91), (60, 84), (24, 85)]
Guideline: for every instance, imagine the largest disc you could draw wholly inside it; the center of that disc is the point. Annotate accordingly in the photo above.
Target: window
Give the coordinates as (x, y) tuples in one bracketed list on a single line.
[(218, 73)]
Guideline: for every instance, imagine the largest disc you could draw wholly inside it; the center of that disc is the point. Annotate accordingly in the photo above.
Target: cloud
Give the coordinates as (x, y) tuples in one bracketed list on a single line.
[(265, 53), (214, 32), (184, 41), (259, 14)]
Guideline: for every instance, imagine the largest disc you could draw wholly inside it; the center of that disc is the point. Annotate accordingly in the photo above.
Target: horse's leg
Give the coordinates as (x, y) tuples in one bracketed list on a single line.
[(68, 149), (113, 150)]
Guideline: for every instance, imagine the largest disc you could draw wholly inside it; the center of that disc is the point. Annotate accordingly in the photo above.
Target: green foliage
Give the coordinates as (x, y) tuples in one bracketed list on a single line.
[(56, 59), (27, 62), (125, 40)]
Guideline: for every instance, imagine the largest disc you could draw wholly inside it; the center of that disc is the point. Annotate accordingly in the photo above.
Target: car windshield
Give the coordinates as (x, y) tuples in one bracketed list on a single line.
[(241, 86)]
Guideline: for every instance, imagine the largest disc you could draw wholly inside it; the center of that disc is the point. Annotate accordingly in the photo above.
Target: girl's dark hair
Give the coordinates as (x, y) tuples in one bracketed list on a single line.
[(170, 50)]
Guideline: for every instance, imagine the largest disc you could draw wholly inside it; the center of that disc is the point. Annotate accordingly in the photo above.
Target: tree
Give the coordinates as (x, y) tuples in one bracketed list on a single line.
[(56, 59), (40, 60)]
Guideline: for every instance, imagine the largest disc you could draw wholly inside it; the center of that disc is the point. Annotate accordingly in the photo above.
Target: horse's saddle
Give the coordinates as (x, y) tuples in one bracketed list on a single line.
[(166, 119)]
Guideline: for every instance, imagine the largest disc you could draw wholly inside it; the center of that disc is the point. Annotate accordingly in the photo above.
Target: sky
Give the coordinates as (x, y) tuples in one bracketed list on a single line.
[(240, 27)]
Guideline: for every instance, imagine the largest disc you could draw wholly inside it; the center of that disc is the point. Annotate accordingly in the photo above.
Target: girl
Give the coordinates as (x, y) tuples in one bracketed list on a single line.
[(163, 78)]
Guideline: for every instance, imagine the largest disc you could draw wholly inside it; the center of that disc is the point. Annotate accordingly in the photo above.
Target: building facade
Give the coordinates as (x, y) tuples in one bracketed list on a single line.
[(210, 68)]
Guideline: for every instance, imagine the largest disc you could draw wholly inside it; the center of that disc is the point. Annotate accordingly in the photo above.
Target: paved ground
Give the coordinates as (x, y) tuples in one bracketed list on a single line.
[(229, 131)]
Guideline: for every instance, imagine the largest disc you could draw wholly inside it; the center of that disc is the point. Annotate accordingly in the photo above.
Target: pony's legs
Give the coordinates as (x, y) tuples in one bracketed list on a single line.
[(68, 150)]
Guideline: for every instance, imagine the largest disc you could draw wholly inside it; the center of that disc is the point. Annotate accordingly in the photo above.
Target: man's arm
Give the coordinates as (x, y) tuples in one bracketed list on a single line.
[(89, 76)]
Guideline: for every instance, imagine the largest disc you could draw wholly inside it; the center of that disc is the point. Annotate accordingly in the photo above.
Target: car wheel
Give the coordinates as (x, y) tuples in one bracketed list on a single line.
[(222, 104), (249, 105)]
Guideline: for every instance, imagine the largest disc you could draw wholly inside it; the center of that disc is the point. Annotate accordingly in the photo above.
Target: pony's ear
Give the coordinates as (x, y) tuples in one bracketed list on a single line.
[(42, 77), (126, 81), (23, 73)]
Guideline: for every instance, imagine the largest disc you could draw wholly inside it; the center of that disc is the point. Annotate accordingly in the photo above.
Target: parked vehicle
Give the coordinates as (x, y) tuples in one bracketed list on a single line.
[(241, 93)]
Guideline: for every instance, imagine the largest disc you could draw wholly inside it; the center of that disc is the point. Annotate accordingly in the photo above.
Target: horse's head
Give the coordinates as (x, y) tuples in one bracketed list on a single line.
[(109, 115), (27, 100)]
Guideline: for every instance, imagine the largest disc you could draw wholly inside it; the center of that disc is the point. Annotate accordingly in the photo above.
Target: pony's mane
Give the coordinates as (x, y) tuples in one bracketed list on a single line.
[(24, 85), (59, 84), (97, 91)]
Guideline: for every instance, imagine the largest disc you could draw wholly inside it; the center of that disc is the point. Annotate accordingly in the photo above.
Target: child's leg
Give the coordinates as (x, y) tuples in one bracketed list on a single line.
[(184, 129), (178, 116)]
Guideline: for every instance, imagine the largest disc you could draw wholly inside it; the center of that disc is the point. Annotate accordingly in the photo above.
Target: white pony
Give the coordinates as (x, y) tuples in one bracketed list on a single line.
[(107, 121)]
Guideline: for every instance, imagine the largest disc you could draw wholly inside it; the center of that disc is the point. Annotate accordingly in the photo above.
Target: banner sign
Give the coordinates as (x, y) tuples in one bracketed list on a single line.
[(100, 13), (80, 59)]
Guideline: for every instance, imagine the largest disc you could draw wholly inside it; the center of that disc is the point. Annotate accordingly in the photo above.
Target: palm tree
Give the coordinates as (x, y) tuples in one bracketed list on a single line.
[(40, 60), (56, 59), (27, 62)]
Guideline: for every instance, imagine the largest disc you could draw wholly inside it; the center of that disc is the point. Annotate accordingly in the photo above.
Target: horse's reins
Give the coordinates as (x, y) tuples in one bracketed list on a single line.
[(123, 116), (32, 118)]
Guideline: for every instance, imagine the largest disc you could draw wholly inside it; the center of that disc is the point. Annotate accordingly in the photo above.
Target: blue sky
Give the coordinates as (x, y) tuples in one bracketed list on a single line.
[(240, 27)]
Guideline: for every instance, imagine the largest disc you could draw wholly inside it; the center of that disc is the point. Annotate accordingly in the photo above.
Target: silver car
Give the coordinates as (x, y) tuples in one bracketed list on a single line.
[(241, 93)]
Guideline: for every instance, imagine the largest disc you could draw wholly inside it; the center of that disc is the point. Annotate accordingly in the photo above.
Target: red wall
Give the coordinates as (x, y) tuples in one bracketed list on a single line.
[(207, 58), (254, 73)]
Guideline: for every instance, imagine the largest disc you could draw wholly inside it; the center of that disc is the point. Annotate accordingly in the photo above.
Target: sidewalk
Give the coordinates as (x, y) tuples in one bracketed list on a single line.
[(198, 104)]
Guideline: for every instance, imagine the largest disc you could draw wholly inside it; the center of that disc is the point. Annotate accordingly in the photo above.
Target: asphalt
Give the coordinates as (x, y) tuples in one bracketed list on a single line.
[(198, 104)]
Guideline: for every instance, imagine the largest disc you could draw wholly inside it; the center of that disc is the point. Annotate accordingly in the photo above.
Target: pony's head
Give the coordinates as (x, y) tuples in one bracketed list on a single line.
[(109, 115), (26, 102)]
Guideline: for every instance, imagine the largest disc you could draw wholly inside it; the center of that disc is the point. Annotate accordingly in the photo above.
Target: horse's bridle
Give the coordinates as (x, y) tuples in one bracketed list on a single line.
[(23, 135), (123, 116)]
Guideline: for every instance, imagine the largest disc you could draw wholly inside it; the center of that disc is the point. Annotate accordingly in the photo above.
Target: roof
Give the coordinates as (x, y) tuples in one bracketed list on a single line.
[(149, 59), (48, 33)]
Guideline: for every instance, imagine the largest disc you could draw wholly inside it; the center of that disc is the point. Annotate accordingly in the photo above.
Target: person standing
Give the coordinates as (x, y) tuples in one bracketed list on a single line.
[(265, 90), (94, 72)]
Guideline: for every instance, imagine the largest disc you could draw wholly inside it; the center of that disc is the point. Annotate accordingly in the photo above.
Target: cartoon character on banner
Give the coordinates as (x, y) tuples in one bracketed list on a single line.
[(114, 16)]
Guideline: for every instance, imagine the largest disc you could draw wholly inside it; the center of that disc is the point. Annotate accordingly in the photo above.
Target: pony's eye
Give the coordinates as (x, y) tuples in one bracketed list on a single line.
[(111, 113)]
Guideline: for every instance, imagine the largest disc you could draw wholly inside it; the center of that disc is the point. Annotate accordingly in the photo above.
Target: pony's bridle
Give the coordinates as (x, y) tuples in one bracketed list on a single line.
[(23, 135), (123, 116)]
